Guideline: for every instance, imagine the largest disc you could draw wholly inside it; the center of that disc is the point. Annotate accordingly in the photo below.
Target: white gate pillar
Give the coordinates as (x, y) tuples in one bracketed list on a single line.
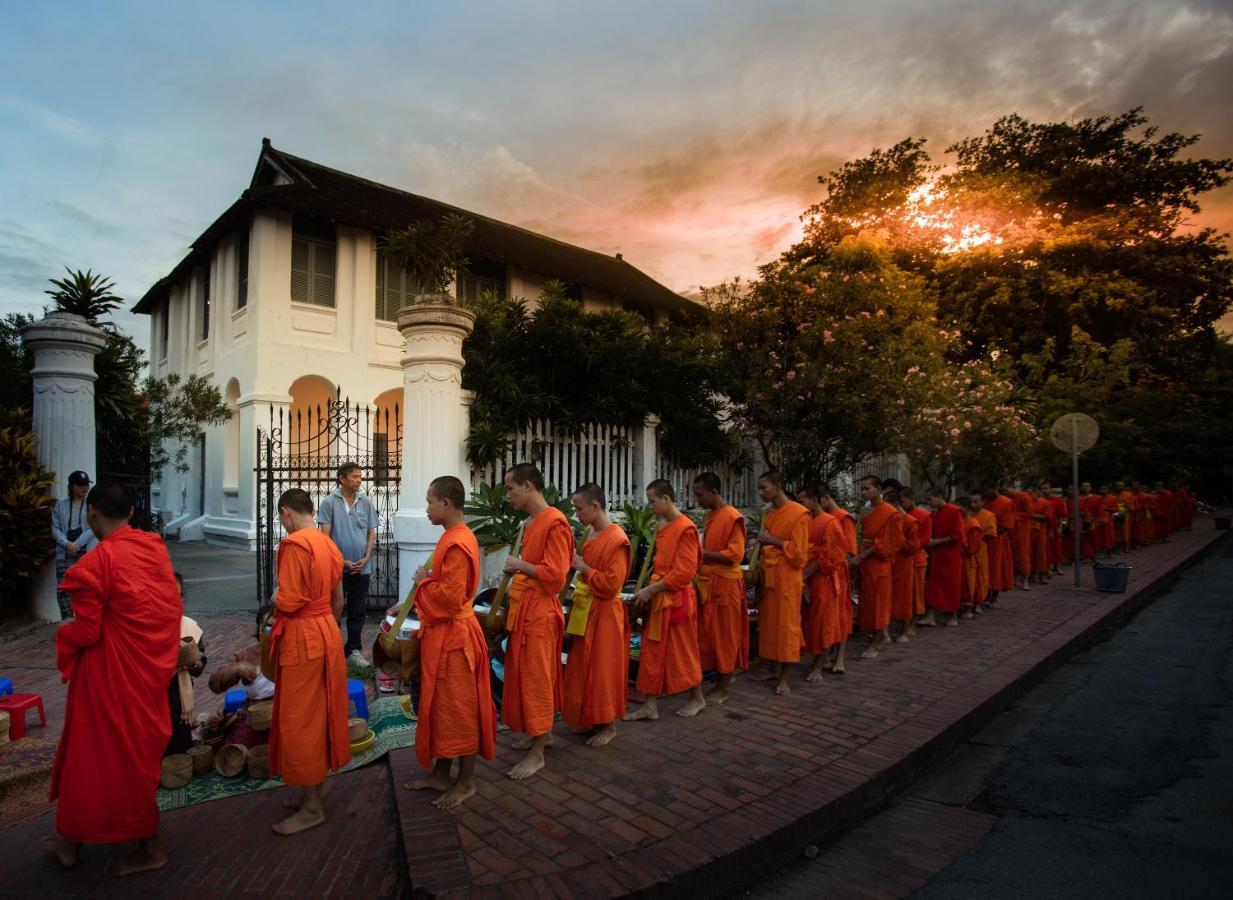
[(435, 420), (64, 346)]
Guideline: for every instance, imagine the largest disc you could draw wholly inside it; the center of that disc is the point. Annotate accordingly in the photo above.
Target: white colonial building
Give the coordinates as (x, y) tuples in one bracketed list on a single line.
[(285, 300)]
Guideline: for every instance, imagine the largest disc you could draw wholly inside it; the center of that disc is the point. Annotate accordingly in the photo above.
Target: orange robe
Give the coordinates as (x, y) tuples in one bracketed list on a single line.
[(1058, 505), (308, 734), (1126, 506), (973, 544), (1163, 515), (1146, 528), (824, 624), (881, 533), (988, 535), (456, 714), (117, 654), (1021, 537), (1002, 562), (597, 671), (779, 606), (723, 616), (847, 524), (1090, 508), (533, 692), (944, 583), (669, 662), (924, 533), (1041, 529), (903, 577)]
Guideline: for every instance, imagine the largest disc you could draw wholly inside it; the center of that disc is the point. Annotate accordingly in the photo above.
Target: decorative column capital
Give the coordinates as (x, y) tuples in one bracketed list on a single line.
[(434, 328), (64, 344)]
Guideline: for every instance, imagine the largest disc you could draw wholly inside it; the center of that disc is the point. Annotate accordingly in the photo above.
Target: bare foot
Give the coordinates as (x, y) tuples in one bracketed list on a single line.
[(838, 669), (968, 615), (782, 689), (978, 610), (641, 714), (814, 676), (67, 854), (692, 707), (717, 697), (871, 652), (952, 622), (928, 622), (903, 639), (430, 782), (148, 856), (530, 764), (293, 803), (455, 796), (524, 743), (604, 736), (297, 822)]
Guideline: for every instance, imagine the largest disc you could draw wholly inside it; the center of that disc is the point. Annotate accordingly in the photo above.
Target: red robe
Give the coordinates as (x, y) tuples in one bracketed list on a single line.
[(1056, 554), (881, 533), (973, 545), (825, 625), (1090, 508), (723, 620), (924, 532), (1002, 561), (118, 655), (847, 524), (944, 583), (597, 672), (533, 692), (1146, 531), (1165, 506), (1021, 536), (904, 571), (669, 662), (1041, 531), (456, 714)]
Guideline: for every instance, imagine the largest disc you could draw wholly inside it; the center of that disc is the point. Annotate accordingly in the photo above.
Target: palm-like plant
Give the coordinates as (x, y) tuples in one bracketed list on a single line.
[(85, 294), (431, 252)]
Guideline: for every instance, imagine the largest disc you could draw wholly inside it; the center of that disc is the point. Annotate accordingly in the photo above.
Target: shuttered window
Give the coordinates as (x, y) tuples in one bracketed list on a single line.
[(241, 295), (469, 287), (395, 289), (312, 269), (205, 303)]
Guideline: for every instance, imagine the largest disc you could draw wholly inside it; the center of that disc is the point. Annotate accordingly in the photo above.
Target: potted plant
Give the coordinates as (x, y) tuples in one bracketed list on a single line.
[(431, 253)]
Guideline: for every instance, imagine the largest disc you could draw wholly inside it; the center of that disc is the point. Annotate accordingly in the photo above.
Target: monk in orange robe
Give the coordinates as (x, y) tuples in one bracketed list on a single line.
[(989, 535), (597, 671), (117, 655), (784, 555), (825, 630), (1163, 513), (880, 540), (847, 526), (1001, 561), (1126, 510), (1021, 537), (669, 662), (533, 691), (723, 616), (1058, 506), (308, 734), (973, 544), (457, 719), (944, 583), (924, 533), (903, 570), (1146, 502), (1090, 508), (1042, 525)]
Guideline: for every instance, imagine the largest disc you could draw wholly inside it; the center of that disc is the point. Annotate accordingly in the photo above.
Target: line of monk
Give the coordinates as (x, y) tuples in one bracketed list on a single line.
[(912, 566)]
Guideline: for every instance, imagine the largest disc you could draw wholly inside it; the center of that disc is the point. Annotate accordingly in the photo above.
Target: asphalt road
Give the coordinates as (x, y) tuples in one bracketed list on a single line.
[(1113, 778)]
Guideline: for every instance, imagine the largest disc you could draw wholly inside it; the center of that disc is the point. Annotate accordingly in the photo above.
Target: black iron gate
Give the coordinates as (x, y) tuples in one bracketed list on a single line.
[(303, 449)]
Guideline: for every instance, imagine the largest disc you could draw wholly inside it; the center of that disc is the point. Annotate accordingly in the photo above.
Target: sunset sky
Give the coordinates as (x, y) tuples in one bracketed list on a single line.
[(686, 135)]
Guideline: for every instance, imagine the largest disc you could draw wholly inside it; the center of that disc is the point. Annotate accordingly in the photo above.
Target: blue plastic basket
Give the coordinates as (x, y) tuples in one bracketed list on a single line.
[(1112, 577)]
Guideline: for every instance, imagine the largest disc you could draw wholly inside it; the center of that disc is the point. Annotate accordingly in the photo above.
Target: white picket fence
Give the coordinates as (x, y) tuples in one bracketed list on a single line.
[(622, 460)]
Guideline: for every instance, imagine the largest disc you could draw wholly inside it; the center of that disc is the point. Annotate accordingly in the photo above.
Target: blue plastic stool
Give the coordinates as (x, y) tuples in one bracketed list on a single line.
[(357, 695), (6, 686), (234, 700)]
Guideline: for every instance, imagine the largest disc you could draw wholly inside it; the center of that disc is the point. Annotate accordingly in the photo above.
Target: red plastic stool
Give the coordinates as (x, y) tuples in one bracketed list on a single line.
[(17, 705)]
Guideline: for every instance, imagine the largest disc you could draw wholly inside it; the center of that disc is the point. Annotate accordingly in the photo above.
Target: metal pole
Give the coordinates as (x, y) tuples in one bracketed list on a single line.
[(1074, 476)]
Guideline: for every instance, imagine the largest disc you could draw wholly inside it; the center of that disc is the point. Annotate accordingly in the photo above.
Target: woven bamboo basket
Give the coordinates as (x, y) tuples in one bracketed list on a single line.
[(259, 762), (356, 729), (202, 756), (260, 715), (4, 727), (177, 771), (229, 761)]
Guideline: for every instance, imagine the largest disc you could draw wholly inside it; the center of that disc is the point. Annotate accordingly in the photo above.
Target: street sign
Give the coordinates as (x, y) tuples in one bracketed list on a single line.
[(1074, 432)]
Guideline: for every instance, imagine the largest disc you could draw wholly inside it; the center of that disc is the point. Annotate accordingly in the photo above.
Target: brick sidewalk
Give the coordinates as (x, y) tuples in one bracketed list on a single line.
[(698, 806), (686, 806)]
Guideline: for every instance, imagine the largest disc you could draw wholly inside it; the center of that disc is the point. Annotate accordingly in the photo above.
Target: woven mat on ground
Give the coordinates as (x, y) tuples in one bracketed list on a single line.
[(385, 717), (25, 773)]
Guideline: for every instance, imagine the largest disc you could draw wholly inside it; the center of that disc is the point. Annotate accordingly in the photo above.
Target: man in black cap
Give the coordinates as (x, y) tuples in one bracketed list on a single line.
[(72, 533)]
